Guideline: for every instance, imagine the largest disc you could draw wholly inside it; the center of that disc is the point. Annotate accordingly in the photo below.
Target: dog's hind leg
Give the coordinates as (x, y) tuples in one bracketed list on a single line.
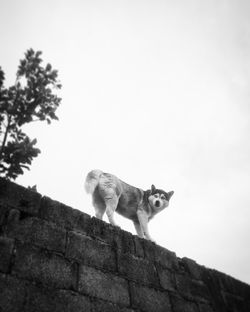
[(109, 196), (99, 206), (111, 204), (99, 211)]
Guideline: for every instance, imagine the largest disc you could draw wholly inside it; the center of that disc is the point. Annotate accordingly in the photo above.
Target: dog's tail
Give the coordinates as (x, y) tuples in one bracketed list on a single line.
[(92, 180)]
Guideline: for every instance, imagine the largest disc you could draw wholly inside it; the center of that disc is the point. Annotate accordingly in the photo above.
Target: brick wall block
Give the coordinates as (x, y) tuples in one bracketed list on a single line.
[(64, 216), (194, 269), (12, 294), (110, 234), (90, 252), (192, 289), (6, 251), (125, 242), (181, 305), (148, 299), (203, 307), (104, 306), (242, 289), (38, 232), (102, 285), (167, 279), (19, 197), (226, 282), (233, 302), (44, 267), (4, 209), (103, 231), (13, 216), (137, 269), (161, 255), (116, 237), (138, 246), (51, 300), (231, 286), (210, 278)]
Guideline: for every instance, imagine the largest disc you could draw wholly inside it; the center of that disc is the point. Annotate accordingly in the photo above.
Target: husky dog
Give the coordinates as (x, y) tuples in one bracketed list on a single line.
[(110, 194)]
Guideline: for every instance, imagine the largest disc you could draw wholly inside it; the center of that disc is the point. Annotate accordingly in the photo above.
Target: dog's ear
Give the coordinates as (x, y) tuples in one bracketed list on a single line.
[(170, 194), (153, 188)]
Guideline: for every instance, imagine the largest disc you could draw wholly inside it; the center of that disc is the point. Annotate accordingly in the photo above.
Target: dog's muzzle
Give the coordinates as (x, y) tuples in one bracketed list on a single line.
[(157, 203)]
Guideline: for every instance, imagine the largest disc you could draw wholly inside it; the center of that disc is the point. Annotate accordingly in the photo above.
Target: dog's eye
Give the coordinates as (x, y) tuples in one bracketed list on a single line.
[(163, 197), (156, 195)]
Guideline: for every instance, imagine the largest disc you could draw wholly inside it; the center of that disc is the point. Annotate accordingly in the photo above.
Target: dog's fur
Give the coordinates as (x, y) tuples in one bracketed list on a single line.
[(110, 194)]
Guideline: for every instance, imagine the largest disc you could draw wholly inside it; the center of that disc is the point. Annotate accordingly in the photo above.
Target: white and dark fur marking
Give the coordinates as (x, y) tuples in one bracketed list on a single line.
[(110, 194)]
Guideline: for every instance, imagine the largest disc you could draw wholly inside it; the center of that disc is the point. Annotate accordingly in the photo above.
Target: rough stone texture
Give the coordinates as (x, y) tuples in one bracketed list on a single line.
[(149, 299), (160, 255), (179, 304), (192, 289), (54, 258), (103, 285), (38, 232), (114, 236), (194, 270), (13, 195), (166, 277), (64, 216), (12, 294), (90, 252), (205, 307), (3, 212), (103, 231), (44, 267), (6, 251), (139, 250), (104, 306), (45, 300), (137, 269)]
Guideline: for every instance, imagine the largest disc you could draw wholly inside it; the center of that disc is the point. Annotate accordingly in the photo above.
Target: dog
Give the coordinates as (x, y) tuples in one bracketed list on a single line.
[(110, 194)]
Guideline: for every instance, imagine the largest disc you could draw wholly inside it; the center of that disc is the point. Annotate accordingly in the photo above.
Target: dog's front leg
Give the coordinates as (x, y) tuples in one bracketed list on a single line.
[(143, 220), (138, 229)]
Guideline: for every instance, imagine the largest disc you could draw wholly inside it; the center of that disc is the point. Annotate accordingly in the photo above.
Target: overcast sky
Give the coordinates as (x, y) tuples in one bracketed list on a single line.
[(153, 92)]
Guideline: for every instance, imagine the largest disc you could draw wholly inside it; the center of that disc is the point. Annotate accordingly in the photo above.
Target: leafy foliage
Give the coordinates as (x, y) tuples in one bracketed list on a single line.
[(30, 99)]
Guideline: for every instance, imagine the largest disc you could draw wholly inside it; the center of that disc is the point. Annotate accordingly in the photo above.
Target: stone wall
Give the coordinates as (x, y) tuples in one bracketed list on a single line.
[(55, 258)]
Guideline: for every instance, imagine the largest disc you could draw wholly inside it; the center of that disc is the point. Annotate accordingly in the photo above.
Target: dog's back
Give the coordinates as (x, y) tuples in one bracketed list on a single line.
[(105, 187), (106, 181)]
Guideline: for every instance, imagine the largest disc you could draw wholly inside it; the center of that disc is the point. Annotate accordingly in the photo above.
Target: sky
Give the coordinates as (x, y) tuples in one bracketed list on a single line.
[(155, 92)]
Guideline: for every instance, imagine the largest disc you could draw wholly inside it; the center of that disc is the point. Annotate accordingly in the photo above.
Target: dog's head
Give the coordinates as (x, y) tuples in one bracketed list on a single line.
[(159, 199)]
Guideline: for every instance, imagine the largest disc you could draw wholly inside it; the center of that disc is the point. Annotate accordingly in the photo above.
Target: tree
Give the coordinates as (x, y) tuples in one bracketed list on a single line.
[(30, 99)]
